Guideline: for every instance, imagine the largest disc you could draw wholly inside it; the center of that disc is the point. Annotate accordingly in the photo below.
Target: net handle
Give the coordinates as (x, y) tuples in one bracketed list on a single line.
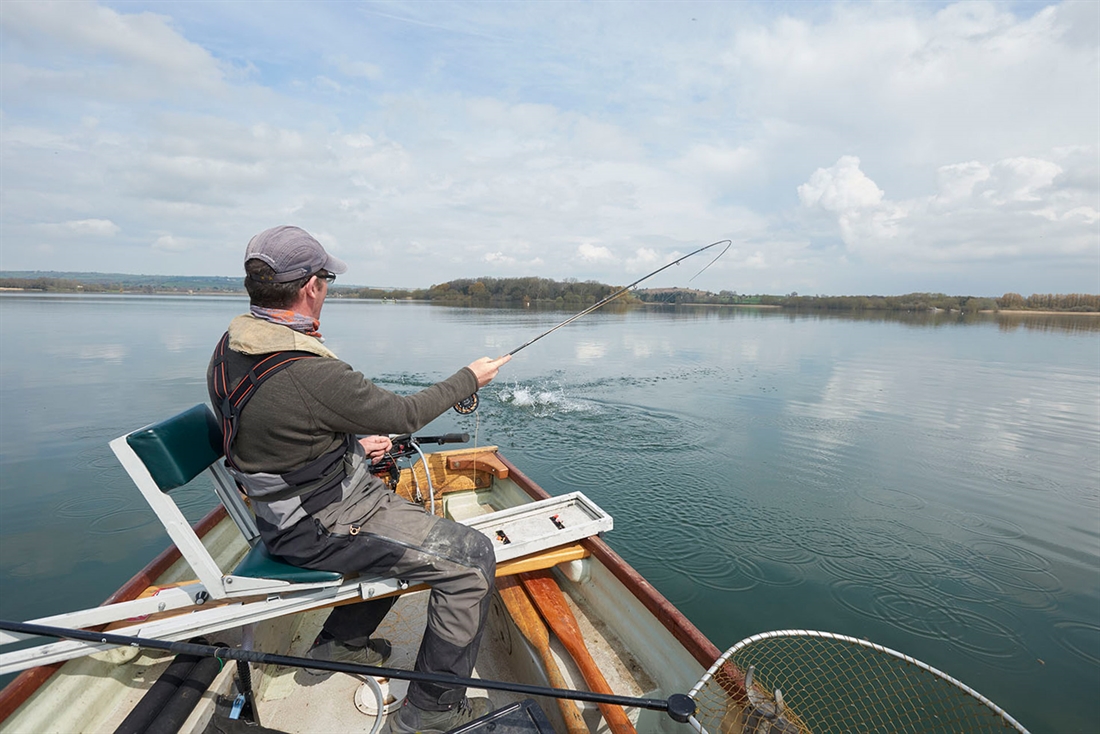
[(862, 643)]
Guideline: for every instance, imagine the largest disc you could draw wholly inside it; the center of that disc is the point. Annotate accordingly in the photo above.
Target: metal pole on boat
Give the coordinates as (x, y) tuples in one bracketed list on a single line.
[(679, 706)]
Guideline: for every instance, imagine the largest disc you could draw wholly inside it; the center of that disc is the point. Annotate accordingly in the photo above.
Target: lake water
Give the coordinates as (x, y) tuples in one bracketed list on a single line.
[(929, 483)]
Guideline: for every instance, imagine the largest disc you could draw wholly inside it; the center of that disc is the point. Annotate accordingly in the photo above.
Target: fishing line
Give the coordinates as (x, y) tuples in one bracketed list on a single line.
[(469, 405)]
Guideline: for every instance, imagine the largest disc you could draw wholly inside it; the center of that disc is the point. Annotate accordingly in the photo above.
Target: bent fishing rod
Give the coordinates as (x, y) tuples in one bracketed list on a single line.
[(679, 706), (469, 405)]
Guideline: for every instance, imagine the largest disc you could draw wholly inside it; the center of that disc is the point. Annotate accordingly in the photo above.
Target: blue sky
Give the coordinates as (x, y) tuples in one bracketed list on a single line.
[(843, 147)]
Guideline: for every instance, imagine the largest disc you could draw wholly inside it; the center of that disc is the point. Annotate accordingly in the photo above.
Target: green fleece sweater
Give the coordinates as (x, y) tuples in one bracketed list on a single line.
[(305, 410)]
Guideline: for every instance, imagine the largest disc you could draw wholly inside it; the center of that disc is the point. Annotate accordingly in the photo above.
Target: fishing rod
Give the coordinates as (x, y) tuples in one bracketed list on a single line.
[(679, 706), (469, 405)]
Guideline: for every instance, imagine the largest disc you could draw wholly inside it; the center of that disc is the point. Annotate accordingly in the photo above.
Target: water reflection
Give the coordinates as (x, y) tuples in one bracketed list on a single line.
[(1007, 320), (1066, 323)]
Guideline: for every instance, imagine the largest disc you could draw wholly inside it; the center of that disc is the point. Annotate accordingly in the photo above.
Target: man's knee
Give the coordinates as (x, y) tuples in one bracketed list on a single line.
[(478, 551)]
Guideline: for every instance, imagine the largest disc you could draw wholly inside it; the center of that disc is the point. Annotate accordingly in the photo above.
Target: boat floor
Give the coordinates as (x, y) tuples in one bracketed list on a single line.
[(296, 702)]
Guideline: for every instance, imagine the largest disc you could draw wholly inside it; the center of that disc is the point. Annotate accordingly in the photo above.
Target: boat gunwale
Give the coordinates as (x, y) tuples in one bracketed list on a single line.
[(16, 693)]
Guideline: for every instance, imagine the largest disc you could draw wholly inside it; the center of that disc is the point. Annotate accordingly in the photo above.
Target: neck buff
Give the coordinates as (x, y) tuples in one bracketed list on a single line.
[(289, 318)]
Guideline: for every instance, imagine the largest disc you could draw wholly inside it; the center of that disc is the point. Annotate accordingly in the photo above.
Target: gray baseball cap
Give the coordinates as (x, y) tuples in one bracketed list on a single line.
[(293, 253)]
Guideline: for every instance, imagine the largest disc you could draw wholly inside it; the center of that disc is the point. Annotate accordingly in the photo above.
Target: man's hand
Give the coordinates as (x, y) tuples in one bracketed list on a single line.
[(376, 446), (485, 369)]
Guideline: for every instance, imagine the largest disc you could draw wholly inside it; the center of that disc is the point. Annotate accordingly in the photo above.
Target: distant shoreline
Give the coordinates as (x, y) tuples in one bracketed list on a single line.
[(644, 304), (1024, 311)]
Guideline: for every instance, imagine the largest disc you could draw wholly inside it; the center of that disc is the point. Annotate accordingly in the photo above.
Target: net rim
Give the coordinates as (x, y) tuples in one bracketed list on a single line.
[(863, 643)]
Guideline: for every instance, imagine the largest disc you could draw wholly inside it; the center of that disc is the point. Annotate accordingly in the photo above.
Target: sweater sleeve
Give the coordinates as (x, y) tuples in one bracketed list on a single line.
[(345, 401)]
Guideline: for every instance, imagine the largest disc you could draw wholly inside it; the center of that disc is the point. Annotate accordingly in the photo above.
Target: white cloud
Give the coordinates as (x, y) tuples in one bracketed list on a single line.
[(498, 258), (645, 258), (168, 243), (142, 44), (839, 145), (96, 227), (865, 219), (594, 253), (361, 69), (840, 188), (1007, 209)]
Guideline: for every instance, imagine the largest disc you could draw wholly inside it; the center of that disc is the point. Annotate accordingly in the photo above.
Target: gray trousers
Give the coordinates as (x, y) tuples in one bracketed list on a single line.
[(399, 539)]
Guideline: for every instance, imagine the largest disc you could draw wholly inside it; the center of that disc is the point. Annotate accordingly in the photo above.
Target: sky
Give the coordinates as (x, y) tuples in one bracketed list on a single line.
[(844, 148)]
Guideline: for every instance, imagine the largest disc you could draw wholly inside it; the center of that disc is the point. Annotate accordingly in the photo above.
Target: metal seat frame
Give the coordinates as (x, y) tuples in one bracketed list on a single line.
[(217, 600)]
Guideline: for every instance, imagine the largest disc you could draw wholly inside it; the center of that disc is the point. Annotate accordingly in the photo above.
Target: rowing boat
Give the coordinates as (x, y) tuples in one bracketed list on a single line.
[(576, 640), (639, 642)]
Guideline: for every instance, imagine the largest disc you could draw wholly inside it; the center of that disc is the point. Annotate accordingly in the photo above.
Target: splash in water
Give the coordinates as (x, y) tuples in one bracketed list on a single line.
[(543, 401)]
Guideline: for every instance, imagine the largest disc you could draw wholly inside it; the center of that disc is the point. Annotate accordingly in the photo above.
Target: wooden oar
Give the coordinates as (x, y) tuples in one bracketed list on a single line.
[(531, 625), (551, 603)]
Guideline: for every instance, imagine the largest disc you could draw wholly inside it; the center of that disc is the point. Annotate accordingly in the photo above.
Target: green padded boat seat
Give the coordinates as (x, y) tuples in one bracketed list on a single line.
[(178, 449), (258, 564)]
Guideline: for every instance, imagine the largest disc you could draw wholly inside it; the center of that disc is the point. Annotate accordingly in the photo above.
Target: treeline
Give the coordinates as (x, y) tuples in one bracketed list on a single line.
[(907, 302), (489, 291), (567, 294), (1050, 302), (688, 296), (120, 283)]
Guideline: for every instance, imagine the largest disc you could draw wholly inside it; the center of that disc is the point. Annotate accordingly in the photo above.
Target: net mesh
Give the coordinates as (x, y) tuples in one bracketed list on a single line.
[(833, 683)]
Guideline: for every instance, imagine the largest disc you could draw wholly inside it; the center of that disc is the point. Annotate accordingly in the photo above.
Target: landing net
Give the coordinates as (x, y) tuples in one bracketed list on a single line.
[(800, 681)]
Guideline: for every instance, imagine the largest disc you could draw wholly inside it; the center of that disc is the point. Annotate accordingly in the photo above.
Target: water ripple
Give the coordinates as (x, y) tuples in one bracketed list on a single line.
[(115, 522), (979, 634), (1079, 638), (1011, 557), (895, 499), (93, 506), (985, 525)]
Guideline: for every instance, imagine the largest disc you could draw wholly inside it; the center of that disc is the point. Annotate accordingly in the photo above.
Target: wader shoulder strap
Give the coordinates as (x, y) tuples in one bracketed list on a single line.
[(233, 395)]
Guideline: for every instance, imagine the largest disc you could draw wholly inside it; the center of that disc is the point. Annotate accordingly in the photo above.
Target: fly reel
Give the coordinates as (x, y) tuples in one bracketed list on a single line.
[(466, 406)]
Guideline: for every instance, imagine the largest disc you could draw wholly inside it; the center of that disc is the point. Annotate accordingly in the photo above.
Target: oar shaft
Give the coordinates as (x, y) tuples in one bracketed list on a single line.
[(530, 624), (550, 601)]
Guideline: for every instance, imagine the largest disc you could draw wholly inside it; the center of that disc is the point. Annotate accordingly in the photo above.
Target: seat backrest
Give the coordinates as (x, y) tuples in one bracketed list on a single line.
[(178, 449), (166, 455)]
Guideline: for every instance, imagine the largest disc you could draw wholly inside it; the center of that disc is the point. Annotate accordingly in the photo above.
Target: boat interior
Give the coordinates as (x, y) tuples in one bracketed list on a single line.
[(222, 589)]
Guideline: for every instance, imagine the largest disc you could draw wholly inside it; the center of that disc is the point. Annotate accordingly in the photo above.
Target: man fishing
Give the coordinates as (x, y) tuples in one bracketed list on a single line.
[(291, 411)]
